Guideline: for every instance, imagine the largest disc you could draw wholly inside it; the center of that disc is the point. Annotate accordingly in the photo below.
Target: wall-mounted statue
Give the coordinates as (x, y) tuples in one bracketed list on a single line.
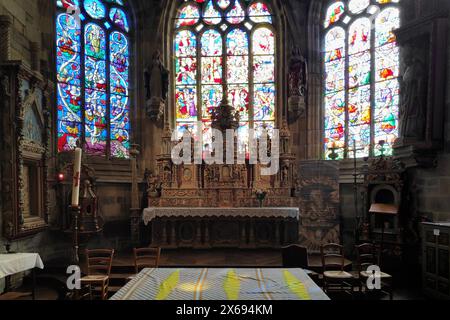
[(156, 78), (298, 84), (412, 117)]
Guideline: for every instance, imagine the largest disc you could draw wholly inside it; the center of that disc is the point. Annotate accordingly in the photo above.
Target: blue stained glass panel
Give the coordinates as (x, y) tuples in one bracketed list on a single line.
[(264, 42), (264, 69), (212, 70), (119, 18), (211, 44), (96, 134), (239, 98), (351, 117), (185, 44), (237, 43), (211, 15), (186, 71), (95, 8), (120, 126), (96, 50), (95, 41), (237, 14), (68, 4), (186, 103), (67, 33), (259, 12), (264, 102), (211, 98), (95, 71), (68, 64)]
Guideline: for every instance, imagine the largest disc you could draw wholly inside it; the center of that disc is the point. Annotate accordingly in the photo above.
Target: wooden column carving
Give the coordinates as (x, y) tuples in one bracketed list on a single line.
[(25, 141)]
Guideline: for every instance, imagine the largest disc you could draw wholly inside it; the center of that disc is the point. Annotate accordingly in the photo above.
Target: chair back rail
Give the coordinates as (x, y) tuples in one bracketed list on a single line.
[(366, 256), (332, 257), (99, 261), (146, 258), (295, 256)]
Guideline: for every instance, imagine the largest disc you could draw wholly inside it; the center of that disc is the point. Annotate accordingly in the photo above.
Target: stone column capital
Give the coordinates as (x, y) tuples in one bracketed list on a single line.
[(5, 37)]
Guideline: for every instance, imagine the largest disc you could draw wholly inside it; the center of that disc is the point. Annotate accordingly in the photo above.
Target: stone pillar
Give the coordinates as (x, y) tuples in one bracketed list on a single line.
[(5, 37), (35, 52), (135, 210)]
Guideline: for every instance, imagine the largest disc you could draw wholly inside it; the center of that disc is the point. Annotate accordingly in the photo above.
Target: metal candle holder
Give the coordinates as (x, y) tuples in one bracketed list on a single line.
[(76, 210)]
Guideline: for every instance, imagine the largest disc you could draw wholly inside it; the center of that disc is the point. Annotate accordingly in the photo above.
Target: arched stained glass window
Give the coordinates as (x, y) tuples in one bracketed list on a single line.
[(93, 96), (224, 47), (361, 89)]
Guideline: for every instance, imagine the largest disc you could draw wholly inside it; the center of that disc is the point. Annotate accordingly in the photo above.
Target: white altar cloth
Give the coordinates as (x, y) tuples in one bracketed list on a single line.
[(11, 264), (281, 213)]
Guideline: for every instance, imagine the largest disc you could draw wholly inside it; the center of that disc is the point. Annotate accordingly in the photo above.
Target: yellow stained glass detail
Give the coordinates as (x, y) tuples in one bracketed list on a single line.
[(168, 286), (296, 286), (232, 285)]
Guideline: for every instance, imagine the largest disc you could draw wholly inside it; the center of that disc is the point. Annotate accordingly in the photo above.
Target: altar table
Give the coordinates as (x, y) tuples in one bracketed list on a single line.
[(11, 264), (284, 213), (221, 285), (222, 227)]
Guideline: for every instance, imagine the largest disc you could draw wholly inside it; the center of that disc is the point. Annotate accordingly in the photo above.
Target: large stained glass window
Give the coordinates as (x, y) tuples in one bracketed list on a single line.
[(93, 96), (361, 78), (224, 47)]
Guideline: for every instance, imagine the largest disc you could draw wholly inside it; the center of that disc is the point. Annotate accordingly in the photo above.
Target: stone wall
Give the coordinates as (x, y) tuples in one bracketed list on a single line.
[(432, 186), (427, 191), (33, 22)]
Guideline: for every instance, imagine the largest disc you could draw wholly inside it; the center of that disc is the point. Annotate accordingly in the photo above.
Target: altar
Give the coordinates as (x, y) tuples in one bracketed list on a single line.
[(222, 227)]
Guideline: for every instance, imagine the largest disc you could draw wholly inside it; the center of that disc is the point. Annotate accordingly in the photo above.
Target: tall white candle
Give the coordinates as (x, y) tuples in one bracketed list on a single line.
[(76, 178)]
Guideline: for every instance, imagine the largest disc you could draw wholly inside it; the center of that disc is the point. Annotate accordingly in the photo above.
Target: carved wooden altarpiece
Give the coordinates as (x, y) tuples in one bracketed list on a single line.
[(25, 140), (227, 186)]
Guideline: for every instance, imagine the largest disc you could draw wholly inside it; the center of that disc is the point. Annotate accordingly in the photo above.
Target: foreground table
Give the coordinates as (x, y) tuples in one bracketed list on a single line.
[(221, 284), (11, 264)]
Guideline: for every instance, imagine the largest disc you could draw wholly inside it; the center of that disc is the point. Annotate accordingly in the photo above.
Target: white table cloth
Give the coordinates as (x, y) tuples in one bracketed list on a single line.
[(11, 264), (283, 213), (221, 285)]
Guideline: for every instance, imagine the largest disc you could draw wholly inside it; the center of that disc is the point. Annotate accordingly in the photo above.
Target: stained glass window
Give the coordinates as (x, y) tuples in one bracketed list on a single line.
[(93, 77), (224, 47), (361, 88)]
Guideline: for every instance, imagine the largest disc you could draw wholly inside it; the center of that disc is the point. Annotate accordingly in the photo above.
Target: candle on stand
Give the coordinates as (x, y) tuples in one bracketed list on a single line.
[(76, 178)]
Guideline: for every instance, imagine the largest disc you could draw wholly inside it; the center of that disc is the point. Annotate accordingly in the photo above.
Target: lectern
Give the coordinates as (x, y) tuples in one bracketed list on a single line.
[(383, 210)]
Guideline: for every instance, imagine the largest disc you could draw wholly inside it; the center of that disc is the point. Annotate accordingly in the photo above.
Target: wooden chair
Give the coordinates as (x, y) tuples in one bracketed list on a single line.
[(368, 255), (296, 256), (9, 296), (99, 264), (146, 258), (335, 278)]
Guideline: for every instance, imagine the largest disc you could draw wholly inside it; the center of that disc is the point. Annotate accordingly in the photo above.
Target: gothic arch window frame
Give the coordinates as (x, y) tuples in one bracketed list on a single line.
[(374, 146), (109, 28), (274, 27)]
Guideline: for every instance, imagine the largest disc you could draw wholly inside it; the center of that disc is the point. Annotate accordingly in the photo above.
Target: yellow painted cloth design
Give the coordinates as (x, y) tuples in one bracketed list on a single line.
[(232, 285), (296, 286), (168, 285)]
